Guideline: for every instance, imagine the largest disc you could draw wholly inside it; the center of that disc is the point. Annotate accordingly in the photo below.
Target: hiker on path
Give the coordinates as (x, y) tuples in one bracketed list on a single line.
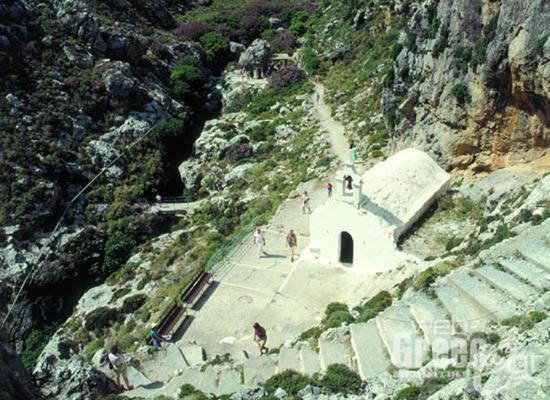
[(292, 244), (317, 96), (353, 152), (259, 240), (155, 338), (260, 337), (329, 190), (305, 203), (119, 363)]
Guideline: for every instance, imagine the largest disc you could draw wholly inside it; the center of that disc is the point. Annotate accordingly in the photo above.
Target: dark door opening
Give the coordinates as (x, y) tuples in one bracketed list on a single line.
[(346, 248)]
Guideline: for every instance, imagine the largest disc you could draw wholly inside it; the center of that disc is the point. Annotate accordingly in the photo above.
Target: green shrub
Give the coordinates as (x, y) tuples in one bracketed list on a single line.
[(524, 322), (337, 318), (461, 93), (100, 318), (132, 303), (186, 390), (118, 248), (427, 277), (33, 345), (314, 333), (453, 242), (422, 392), (91, 348), (187, 77), (215, 48), (311, 62), (291, 381), (537, 316), (333, 307), (374, 306), (339, 378)]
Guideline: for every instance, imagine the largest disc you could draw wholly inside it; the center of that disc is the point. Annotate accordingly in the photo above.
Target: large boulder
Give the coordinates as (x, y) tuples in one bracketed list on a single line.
[(118, 78), (257, 55)]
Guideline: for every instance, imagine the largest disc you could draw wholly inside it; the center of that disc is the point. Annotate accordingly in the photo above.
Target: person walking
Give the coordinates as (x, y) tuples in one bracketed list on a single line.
[(353, 152), (259, 240), (119, 363), (329, 190), (305, 203), (260, 337), (292, 244)]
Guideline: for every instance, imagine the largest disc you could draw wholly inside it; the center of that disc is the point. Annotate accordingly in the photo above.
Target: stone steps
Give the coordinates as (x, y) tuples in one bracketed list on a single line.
[(465, 315), (495, 302), (507, 283), (289, 358), (369, 349), (399, 334), (434, 323), (540, 258), (526, 271), (229, 381), (258, 369), (309, 360), (333, 353)]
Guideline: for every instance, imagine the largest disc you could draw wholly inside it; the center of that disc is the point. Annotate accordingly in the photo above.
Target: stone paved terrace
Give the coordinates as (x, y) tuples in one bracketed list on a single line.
[(286, 298)]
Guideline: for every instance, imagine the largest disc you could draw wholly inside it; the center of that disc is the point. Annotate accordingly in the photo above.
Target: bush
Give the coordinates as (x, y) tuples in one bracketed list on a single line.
[(427, 277), (462, 94), (32, 347), (314, 333), (291, 381), (215, 48), (187, 77), (100, 318), (287, 76), (340, 379), (282, 42), (186, 390), (338, 318), (374, 306), (118, 248), (193, 30), (422, 392), (132, 303), (311, 61)]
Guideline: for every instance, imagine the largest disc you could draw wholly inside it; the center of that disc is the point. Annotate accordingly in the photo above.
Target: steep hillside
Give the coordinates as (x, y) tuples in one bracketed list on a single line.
[(466, 81)]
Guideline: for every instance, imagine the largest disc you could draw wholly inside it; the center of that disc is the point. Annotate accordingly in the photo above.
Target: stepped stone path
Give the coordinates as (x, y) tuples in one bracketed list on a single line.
[(467, 300)]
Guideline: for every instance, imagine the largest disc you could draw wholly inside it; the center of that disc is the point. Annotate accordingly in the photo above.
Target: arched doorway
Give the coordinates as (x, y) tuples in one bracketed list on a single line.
[(346, 248)]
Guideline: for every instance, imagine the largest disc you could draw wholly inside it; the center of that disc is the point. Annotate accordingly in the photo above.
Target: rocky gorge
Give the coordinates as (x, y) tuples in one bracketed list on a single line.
[(466, 82)]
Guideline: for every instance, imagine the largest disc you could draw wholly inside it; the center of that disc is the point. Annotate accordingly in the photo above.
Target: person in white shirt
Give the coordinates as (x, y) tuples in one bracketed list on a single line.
[(259, 240), (118, 362)]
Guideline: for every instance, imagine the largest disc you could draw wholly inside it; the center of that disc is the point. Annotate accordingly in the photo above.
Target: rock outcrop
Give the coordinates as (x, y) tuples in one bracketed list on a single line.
[(471, 83), (15, 382)]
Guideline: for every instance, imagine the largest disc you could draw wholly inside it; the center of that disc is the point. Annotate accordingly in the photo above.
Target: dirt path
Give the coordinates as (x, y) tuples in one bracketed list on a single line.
[(338, 141)]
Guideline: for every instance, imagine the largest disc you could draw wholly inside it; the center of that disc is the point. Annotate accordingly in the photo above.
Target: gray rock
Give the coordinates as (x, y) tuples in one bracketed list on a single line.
[(247, 393), (236, 48), (310, 390), (280, 393), (257, 55), (78, 56), (118, 78)]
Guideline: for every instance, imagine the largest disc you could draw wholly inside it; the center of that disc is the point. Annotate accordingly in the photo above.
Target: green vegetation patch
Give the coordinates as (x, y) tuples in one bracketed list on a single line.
[(290, 381), (339, 378)]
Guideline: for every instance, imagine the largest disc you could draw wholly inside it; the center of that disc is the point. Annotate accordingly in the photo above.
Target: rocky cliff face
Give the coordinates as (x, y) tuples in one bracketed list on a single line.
[(15, 382), (472, 82)]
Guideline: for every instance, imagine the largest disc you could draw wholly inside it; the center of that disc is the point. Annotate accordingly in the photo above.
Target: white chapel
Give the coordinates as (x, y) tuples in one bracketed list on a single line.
[(360, 224)]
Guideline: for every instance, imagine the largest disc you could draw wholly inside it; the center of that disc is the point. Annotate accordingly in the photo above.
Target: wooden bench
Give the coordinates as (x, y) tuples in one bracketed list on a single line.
[(191, 295), (175, 315)]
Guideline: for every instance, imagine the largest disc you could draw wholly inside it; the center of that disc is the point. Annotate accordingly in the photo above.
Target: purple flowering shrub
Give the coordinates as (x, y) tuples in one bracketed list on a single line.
[(282, 42), (193, 30), (286, 76)]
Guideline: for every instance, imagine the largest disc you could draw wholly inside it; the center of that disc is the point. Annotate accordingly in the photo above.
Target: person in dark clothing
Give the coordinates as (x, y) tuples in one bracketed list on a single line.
[(260, 337)]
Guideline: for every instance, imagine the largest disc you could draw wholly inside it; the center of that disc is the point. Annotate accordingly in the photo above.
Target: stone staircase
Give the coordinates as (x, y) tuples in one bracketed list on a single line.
[(505, 282)]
